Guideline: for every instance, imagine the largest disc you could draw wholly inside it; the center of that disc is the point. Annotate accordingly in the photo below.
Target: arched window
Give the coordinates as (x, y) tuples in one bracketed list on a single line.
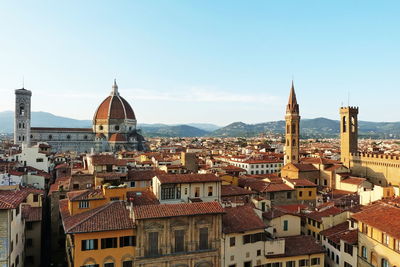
[(68, 137), (288, 128), (101, 127), (22, 109), (117, 127), (353, 124), (384, 263), (293, 128), (293, 142), (344, 124), (50, 137)]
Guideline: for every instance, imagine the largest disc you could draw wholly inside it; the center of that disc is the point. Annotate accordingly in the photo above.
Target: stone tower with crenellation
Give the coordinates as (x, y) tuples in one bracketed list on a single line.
[(22, 117), (292, 119), (348, 134)]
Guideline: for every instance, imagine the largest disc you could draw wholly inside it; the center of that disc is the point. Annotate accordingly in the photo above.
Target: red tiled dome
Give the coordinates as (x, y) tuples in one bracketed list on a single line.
[(117, 137), (114, 107)]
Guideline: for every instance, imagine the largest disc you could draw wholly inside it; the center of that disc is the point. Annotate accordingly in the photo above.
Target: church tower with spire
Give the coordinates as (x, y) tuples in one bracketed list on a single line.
[(292, 119)]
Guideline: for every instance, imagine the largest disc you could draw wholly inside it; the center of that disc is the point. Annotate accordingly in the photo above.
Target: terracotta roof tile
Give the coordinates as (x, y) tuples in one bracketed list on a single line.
[(300, 245), (382, 216), (176, 210), (111, 216), (232, 190), (241, 219)]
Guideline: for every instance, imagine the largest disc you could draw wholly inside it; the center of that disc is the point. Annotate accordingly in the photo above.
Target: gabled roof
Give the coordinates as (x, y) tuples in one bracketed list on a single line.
[(318, 215), (232, 190), (241, 219), (112, 216), (176, 210), (87, 194), (300, 167), (341, 232)]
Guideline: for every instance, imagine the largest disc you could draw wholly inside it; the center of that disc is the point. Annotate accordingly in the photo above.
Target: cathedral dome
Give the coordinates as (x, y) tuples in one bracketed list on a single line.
[(114, 107)]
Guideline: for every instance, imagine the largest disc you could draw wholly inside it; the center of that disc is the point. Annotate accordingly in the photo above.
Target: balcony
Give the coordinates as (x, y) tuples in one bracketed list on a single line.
[(188, 248)]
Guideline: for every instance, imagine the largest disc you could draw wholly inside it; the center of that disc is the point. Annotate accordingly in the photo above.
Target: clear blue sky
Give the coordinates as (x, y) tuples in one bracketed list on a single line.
[(203, 61)]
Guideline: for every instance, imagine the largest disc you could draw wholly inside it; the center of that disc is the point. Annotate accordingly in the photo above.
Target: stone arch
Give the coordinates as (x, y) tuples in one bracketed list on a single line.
[(89, 261), (109, 259), (204, 264)]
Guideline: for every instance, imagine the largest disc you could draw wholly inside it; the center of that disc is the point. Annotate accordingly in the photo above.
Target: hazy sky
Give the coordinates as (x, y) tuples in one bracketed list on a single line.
[(203, 61)]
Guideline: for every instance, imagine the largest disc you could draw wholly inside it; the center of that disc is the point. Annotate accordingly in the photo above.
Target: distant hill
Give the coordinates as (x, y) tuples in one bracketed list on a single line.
[(310, 128), (41, 119), (172, 131)]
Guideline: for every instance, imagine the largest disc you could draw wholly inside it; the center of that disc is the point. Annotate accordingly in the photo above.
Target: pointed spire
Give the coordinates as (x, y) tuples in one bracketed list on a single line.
[(115, 88), (292, 106)]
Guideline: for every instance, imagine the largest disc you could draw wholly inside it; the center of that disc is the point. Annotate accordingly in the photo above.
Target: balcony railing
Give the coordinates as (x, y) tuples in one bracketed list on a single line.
[(186, 249)]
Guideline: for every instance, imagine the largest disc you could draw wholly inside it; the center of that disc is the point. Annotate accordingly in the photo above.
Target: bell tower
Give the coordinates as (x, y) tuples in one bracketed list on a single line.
[(22, 117), (292, 119), (348, 133)]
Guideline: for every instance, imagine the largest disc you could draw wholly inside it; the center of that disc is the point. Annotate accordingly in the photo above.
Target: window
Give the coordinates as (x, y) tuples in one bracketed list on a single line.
[(39, 160), (101, 127), (117, 127), (179, 240), (197, 192), (29, 225), (365, 228), (127, 264), (89, 244), (35, 198), (315, 261), (364, 252), (186, 191), (300, 193), (114, 198), (83, 204), (396, 244), (168, 192), (203, 244), (75, 186), (288, 195), (153, 243), (309, 193), (68, 137), (337, 259), (133, 184), (109, 264), (385, 239), (290, 264), (285, 225), (232, 241), (384, 263), (127, 241), (258, 252), (109, 243), (347, 264), (210, 191), (247, 264), (29, 242), (348, 249), (303, 263)]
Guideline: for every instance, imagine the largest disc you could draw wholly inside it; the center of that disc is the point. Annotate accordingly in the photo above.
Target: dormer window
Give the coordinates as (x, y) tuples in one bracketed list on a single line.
[(84, 204)]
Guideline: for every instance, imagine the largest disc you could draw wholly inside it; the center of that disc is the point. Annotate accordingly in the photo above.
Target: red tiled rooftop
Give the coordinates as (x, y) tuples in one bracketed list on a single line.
[(381, 216), (300, 245), (318, 215), (232, 190), (176, 210), (241, 219), (111, 216)]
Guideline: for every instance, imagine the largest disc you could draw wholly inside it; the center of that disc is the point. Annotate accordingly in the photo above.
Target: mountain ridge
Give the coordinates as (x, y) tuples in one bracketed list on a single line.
[(310, 128)]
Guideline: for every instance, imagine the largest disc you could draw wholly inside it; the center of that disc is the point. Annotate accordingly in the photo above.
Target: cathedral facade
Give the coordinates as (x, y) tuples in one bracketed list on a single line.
[(113, 129)]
